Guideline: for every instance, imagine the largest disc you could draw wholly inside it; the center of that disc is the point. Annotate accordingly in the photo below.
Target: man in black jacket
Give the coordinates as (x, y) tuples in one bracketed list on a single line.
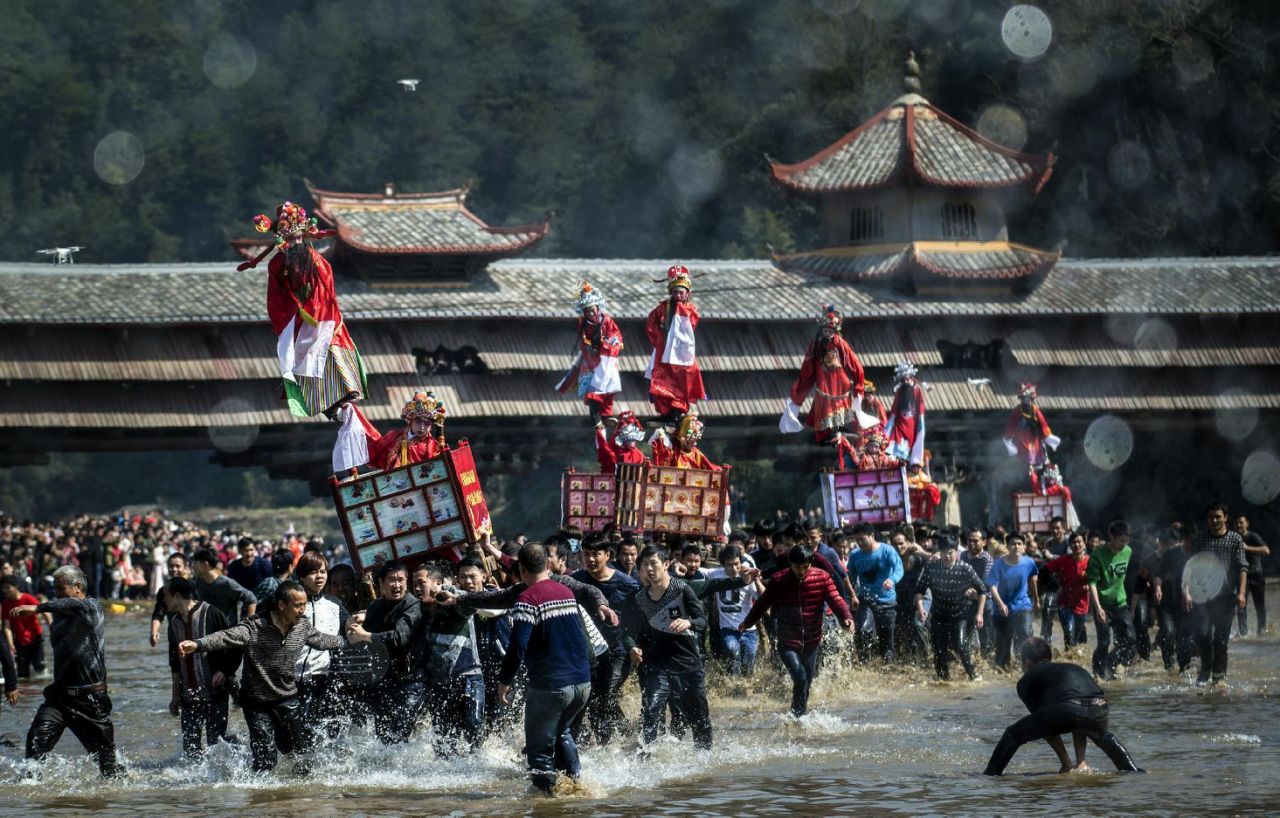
[(662, 625), (392, 621), (77, 698)]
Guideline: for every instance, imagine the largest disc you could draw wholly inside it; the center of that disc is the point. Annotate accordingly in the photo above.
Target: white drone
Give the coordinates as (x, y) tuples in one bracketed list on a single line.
[(62, 255), (409, 85)]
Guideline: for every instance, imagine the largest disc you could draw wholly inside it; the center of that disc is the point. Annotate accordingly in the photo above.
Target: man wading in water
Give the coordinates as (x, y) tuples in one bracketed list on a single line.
[(269, 697), (1062, 698)]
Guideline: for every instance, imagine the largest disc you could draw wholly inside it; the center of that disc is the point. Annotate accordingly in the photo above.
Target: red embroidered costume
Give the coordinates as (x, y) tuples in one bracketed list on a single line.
[(833, 373), (685, 455), (318, 360), (594, 372), (905, 427), (1027, 433), (675, 382)]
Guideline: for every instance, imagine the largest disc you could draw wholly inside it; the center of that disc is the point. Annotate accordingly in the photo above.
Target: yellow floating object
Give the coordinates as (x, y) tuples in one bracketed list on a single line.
[(116, 607)]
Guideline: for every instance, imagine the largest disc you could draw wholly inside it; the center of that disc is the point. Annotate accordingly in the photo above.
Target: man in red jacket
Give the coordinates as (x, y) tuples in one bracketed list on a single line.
[(799, 595)]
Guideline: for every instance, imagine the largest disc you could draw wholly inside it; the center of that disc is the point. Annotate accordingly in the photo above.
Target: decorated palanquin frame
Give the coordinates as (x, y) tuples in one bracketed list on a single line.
[(588, 501), (403, 513), (1034, 512), (876, 496), (643, 497)]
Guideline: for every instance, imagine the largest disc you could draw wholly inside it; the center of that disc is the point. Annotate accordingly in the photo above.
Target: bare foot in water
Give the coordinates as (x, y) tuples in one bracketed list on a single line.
[(1082, 768)]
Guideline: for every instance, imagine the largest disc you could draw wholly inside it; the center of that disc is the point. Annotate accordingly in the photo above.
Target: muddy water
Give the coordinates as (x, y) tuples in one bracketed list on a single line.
[(878, 745)]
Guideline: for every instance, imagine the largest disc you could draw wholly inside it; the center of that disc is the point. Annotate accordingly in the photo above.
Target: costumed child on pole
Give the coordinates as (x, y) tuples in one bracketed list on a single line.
[(421, 438), (319, 363), (593, 375), (624, 445), (675, 382), (904, 430), (685, 454), (833, 373), (1027, 434)]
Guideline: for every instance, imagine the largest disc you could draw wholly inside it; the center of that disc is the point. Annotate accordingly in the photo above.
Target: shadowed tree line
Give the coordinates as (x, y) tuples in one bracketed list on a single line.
[(644, 126)]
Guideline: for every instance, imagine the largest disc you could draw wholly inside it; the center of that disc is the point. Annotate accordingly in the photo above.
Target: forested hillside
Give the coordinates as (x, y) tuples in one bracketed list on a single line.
[(152, 130)]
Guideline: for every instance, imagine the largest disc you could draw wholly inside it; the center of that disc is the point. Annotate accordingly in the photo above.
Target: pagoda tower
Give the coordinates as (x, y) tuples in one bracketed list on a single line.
[(916, 200)]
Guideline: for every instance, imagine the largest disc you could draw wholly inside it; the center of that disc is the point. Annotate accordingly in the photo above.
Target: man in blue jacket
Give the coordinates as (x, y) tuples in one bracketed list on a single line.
[(877, 569)]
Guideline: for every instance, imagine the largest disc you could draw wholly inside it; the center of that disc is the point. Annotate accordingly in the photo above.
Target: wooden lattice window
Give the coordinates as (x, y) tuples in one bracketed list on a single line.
[(959, 221), (866, 223)]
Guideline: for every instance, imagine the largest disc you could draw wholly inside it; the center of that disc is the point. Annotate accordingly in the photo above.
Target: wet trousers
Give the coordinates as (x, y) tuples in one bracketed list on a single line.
[(87, 717), (948, 633), (274, 728), (1057, 720), (658, 686), (548, 735), (202, 715)]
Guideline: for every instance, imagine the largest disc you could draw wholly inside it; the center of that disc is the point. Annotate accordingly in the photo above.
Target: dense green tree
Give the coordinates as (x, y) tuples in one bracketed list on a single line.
[(645, 126)]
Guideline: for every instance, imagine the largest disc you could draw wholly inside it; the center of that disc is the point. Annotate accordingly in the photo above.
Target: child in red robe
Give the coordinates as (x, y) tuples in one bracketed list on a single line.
[(675, 382), (623, 447), (685, 454)]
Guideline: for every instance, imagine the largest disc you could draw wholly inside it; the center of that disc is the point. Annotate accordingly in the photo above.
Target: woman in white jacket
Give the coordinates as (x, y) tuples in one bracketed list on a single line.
[(321, 702)]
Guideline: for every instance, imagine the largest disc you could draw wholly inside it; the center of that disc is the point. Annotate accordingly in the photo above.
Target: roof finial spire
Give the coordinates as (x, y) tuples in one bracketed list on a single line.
[(911, 82)]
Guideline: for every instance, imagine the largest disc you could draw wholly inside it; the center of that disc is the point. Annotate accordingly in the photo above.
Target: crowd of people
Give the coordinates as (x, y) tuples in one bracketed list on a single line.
[(553, 630)]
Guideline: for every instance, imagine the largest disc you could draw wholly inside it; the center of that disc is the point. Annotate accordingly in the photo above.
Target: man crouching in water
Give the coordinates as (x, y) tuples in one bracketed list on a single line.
[(1063, 698)]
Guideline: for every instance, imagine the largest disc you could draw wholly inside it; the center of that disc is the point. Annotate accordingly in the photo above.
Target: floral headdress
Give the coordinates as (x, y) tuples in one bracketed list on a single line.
[(678, 276), (424, 405), (690, 429), (830, 318), (1028, 391), (903, 371), (875, 438), (291, 223), (588, 296), (630, 430)]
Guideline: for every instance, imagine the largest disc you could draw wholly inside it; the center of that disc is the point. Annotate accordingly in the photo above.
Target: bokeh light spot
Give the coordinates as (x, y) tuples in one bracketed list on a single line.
[(1204, 577), (1129, 164), (231, 437), (1027, 32), (1260, 477), (1108, 443), (118, 158), (229, 61), (1234, 420), (1004, 126)]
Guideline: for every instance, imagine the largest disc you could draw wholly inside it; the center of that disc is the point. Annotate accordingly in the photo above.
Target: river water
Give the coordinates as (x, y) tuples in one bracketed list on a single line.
[(879, 744)]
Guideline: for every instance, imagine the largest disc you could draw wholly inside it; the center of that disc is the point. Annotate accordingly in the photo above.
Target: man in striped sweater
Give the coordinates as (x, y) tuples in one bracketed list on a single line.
[(799, 595), (548, 636), (272, 644)]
